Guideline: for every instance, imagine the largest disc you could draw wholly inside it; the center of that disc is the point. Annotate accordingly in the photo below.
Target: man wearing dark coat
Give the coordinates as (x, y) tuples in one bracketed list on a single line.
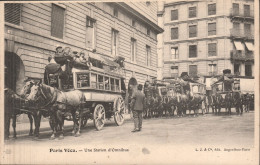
[(137, 103)]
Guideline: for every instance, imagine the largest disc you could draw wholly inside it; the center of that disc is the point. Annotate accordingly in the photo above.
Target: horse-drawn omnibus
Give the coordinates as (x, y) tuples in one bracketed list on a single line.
[(226, 94), (102, 82)]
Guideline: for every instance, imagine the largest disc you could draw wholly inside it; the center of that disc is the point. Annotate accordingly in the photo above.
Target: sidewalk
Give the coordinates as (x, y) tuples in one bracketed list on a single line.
[(24, 127)]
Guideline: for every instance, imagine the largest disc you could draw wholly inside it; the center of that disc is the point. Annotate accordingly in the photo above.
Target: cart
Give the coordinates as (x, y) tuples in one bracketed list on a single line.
[(102, 82)]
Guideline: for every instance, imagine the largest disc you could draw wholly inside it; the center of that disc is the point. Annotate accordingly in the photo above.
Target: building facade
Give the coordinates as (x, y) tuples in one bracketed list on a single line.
[(34, 30), (205, 37)]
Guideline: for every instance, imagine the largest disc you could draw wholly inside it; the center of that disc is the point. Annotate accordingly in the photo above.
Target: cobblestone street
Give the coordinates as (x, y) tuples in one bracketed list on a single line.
[(202, 130)]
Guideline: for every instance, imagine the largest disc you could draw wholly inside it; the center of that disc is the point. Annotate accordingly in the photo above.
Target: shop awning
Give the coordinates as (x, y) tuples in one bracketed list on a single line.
[(238, 45), (249, 46)]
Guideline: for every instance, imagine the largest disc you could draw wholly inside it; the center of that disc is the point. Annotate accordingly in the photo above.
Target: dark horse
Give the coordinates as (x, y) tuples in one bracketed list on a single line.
[(57, 104), (13, 103), (237, 99)]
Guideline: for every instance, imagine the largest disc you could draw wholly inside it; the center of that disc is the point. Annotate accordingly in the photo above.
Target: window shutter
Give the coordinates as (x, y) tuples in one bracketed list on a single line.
[(13, 13), (174, 15), (235, 8), (247, 10), (212, 9), (192, 51), (57, 21), (174, 33), (192, 12), (212, 29), (212, 49), (212, 26), (193, 31)]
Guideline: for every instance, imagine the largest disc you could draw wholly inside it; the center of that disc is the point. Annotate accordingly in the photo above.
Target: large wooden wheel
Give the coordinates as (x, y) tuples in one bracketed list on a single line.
[(119, 110), (99, 117)]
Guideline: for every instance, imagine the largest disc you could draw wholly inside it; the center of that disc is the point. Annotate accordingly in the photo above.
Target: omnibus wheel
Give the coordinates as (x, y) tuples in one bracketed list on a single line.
[(119, 110), (99, 117)]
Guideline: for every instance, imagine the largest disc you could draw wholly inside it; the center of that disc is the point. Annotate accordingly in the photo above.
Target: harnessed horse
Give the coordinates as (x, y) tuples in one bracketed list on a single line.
[(170, 102), (237, 99), (57, 104), (12, 104)]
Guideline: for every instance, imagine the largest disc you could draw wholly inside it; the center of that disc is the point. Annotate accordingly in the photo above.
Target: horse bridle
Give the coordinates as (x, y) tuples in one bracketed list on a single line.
[(45, 97)]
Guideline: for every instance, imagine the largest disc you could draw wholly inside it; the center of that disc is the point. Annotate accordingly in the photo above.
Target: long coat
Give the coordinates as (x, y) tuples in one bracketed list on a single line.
[(138, 99)]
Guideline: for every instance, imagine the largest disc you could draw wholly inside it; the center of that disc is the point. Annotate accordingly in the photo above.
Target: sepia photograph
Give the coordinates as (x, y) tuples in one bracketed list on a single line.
[(134, 82)]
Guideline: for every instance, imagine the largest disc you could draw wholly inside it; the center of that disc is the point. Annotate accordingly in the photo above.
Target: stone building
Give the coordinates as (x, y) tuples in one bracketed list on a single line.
[(34, 30), (205, 37)]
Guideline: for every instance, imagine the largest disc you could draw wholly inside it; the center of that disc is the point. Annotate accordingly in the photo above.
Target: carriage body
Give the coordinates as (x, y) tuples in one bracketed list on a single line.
[(103, 88), (226, 89), (225, 86)]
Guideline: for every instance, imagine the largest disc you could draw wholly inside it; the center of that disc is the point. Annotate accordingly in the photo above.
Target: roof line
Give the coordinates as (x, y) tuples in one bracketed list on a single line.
[(124, 5)]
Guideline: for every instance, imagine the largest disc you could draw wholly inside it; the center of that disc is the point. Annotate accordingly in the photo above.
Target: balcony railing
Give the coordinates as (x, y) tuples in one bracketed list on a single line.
[(242, 55), (242, 13), (241, 33)]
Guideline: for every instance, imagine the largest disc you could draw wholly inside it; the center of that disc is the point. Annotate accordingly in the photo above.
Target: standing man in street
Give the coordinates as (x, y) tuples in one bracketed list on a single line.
[(137, 104)]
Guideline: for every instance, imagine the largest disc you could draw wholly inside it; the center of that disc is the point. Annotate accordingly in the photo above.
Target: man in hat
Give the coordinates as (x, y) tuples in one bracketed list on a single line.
[(137, 106), (59, 51)]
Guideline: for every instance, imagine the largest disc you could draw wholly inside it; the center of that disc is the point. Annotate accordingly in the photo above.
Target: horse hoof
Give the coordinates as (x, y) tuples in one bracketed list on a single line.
[(30, 134), (77, 134), (52, 138)]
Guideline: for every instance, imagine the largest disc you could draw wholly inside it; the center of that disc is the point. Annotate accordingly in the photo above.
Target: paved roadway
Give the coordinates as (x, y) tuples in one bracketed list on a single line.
[(202, 130), (207, 139)]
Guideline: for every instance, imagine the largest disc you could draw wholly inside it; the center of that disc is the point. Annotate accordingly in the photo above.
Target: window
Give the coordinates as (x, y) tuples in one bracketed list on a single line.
[(174, 71), (68, 83), (107, 83), (93, 80), (133, 22), (115, 12), (174, 33), (112, 81), (235, 8), (211, 29), (114, 42), (57, 21), (174, 15), (248, 70), (212, 69), (237, 69), (174, 53), (246, 10), (148, 55), (117, 85), (247, 29), (13, 13), (90, 33), (212, 49), (82, 80), (192, 12), (192, 31), (212, 9), (100, 82), (148, 31), (192, 51), (133, 49), (236, 29), (193, 70)]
